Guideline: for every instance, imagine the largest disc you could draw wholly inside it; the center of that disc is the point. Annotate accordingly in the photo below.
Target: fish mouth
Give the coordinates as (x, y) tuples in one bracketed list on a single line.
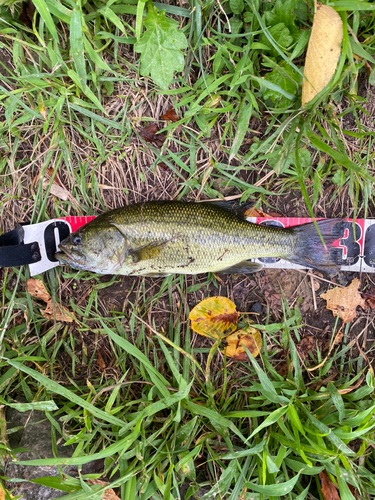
[(67, 257)]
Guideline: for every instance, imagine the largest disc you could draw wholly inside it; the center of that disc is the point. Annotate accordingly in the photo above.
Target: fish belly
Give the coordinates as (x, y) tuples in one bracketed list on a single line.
[(190, 255)]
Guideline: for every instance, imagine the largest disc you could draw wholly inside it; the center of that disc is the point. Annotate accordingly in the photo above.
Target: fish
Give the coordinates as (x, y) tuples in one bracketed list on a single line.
[(161, 238)]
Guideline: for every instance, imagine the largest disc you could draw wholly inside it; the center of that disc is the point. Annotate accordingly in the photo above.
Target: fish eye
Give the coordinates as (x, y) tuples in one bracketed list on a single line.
[(77, 240)]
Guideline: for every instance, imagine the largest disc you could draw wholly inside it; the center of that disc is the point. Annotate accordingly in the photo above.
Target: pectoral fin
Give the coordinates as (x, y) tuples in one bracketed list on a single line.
[(244, 267), (146, 252)]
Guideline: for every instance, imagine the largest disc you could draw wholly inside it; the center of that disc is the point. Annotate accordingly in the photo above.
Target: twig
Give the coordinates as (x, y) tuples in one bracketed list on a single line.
[(313, 290)]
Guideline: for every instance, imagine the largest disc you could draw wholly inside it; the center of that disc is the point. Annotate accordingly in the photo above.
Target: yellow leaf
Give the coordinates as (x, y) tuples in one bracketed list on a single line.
[(248, 337), (323, 51), (343, 302), (2, 493), (42, 110), (214, 317)]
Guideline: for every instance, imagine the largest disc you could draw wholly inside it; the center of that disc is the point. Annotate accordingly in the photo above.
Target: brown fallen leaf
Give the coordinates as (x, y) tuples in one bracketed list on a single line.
[(150, 134), (163, 166), (323, 51), (61, 313), (255, 212), (343, 302), (27, 14), (214, 317), (37, 290), (108, 494), (57, 191), (329, 491), (273, 299), (369, 295), (57, 188), (56, 179), (307, 344), (100, 362), (170, 115), (284, 366), (248, 337)]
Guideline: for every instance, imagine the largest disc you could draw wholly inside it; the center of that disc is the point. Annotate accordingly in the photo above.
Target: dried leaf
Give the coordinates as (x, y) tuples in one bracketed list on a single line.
[(343, 302), (108, 494), (56, 179), (214, 317), (170, 115), (329, 490), (255, 212), (100, 362), (369, 295), (163, 166), (273, 299), (149, 134), (57, 191), (248, 337), (37, 290), (27, 14), (57, 188), (307, 344), (61, 312), (323, 51)]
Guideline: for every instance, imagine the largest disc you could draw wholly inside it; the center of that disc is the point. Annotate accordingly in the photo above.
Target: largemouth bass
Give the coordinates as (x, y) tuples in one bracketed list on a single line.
[(160, 238)]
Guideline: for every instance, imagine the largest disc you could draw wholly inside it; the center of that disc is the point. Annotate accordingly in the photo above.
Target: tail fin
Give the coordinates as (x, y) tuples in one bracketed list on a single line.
[(310, 251)]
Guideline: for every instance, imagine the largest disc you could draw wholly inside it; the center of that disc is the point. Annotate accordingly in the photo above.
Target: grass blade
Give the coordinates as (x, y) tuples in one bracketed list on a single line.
[(244, 115), (46, 16), (155, 376), (62, 391), (77, 47), (279, 489)]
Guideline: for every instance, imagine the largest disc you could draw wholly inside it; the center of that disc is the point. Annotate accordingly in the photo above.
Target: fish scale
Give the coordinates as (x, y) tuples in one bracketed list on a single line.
[(196, 237), (168, 237)]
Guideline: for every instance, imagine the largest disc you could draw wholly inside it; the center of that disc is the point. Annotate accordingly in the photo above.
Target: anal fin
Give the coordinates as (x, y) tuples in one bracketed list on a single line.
[(244, 267), (155, 275)]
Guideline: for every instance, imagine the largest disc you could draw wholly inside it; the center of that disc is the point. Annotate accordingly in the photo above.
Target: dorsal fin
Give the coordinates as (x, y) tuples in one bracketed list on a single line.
[(232, 206)]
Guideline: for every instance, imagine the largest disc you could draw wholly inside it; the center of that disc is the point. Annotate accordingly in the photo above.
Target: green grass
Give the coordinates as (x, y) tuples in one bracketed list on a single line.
[(167, 410), (257, 431)]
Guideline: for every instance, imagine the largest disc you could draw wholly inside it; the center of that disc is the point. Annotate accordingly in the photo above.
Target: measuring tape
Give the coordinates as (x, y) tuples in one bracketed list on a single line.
[(36, 244), (355, 251)]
